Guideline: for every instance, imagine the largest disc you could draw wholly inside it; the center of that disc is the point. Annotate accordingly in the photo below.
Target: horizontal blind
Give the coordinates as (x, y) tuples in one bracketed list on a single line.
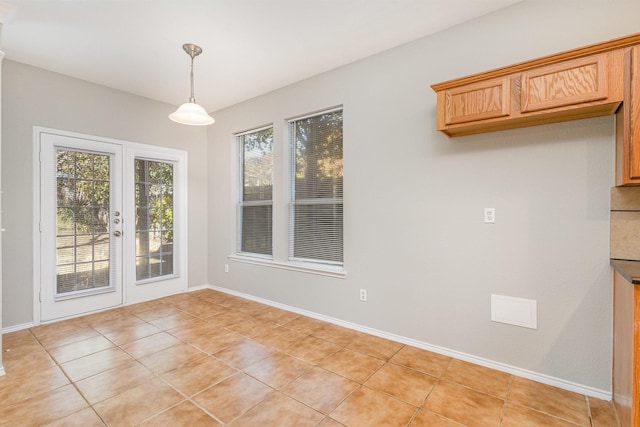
[(256, 199), (316, 176)]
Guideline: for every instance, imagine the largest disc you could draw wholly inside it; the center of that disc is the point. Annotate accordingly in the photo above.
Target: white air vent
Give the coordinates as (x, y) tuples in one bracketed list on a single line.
[(514, 311)]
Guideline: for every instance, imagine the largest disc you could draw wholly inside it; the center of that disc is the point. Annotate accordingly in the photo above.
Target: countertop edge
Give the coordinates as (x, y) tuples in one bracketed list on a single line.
[(630, 270)]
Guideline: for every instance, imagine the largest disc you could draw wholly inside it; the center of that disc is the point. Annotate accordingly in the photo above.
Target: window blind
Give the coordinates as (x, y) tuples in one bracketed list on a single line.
[(315, 181), (256, 200)]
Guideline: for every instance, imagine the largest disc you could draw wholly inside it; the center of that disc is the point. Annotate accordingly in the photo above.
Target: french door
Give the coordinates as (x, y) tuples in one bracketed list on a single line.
[(111, 224), (81, 226)]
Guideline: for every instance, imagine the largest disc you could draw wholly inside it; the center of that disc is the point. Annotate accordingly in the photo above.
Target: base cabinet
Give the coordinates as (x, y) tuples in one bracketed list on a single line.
[(626, 350)]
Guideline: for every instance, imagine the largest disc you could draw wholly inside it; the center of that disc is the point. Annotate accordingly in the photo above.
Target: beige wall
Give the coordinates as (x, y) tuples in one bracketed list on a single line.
[(414, 236), (414, 200), (35, 97)]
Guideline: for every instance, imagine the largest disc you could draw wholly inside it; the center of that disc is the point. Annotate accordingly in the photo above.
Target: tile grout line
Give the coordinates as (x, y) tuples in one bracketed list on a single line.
[(506, 400), (211, 385), (313, 366), (158, 375), (119, 346), (54, 335), (71, 382), (317, 365), (435, 384), (284, 352), (586, 399), (414, 416)]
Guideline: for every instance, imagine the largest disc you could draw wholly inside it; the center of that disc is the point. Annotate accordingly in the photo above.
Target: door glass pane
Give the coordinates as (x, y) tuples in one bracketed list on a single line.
[(82, 221), (154, 219)]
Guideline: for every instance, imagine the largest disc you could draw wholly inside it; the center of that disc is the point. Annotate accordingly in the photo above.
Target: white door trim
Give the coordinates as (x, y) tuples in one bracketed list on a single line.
[(127, 146)]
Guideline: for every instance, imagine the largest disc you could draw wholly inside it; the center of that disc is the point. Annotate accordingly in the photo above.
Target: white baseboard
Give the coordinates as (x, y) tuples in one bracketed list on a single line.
[(198, 288), (32, 324), (2, 372), (16, 328), (513, 370)]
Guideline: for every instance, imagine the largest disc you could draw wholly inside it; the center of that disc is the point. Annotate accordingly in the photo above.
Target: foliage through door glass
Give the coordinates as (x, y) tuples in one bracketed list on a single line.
[(154, 219), (82, 221)]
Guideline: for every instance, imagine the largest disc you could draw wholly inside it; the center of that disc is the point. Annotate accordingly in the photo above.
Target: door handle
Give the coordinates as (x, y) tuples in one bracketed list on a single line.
[(117, 233)]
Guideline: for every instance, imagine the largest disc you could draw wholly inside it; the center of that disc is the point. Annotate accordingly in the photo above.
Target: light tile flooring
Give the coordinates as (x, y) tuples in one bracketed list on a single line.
[(209, 359)]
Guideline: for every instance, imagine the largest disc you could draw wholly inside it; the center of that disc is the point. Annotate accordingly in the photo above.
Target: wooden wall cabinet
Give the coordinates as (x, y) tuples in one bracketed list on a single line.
[(627, 123), (532, 94), (591, 81), (477, 101), (565, 84)]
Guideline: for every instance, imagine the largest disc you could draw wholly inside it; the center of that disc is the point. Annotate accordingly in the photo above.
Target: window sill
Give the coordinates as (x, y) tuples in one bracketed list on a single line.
[(322, 270)]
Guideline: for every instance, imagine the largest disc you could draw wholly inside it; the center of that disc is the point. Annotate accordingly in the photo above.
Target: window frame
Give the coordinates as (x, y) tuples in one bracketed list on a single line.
[(241, 203), (283, 159), (292, 202)]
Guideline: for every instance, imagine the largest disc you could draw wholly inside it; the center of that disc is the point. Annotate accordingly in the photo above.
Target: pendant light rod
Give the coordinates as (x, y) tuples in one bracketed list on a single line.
[(193, 51)]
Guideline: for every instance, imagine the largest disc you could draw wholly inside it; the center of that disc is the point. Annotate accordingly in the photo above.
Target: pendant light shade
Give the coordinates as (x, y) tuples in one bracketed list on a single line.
[(191, 113)]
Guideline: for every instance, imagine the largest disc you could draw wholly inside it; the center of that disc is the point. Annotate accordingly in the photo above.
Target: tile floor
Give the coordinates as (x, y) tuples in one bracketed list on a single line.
[(210, 359)]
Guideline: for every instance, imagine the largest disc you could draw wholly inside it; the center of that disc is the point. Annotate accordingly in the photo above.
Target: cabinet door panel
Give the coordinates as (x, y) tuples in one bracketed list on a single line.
[(633, 119), (567, 83), (478, 101)]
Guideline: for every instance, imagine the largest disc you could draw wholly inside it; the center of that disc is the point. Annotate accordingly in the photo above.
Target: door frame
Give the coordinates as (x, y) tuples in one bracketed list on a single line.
[(130, 150)]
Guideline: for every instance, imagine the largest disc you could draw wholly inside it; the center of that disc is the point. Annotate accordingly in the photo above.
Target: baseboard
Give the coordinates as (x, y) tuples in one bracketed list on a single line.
[(16, 328), (32, 324), (499, 366), (198, 288), (2, 372)]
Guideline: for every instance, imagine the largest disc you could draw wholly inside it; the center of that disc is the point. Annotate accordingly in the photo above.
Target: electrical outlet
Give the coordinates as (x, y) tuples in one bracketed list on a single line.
[(489, 215), (363, 294), (226, 268)]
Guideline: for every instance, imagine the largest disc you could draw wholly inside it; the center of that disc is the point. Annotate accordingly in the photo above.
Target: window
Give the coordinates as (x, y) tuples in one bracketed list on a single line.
[(255, 209), (315, 206), (154, 219)]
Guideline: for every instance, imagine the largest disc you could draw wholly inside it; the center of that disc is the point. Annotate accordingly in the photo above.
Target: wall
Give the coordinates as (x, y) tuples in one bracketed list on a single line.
[(414, 200), (35, 97)]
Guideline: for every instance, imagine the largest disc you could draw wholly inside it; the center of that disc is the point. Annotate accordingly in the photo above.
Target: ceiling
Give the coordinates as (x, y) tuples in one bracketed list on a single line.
[(250, 46)]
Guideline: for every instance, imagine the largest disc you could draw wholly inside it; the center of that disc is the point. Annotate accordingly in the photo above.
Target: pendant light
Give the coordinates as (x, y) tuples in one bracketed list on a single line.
[(191, 113)]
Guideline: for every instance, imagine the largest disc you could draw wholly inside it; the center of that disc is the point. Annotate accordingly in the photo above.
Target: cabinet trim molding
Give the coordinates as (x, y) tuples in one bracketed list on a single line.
[(593, 49)]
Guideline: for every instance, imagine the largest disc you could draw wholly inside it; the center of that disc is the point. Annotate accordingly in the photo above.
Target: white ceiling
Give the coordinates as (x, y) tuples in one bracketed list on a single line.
[(250, 46)]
